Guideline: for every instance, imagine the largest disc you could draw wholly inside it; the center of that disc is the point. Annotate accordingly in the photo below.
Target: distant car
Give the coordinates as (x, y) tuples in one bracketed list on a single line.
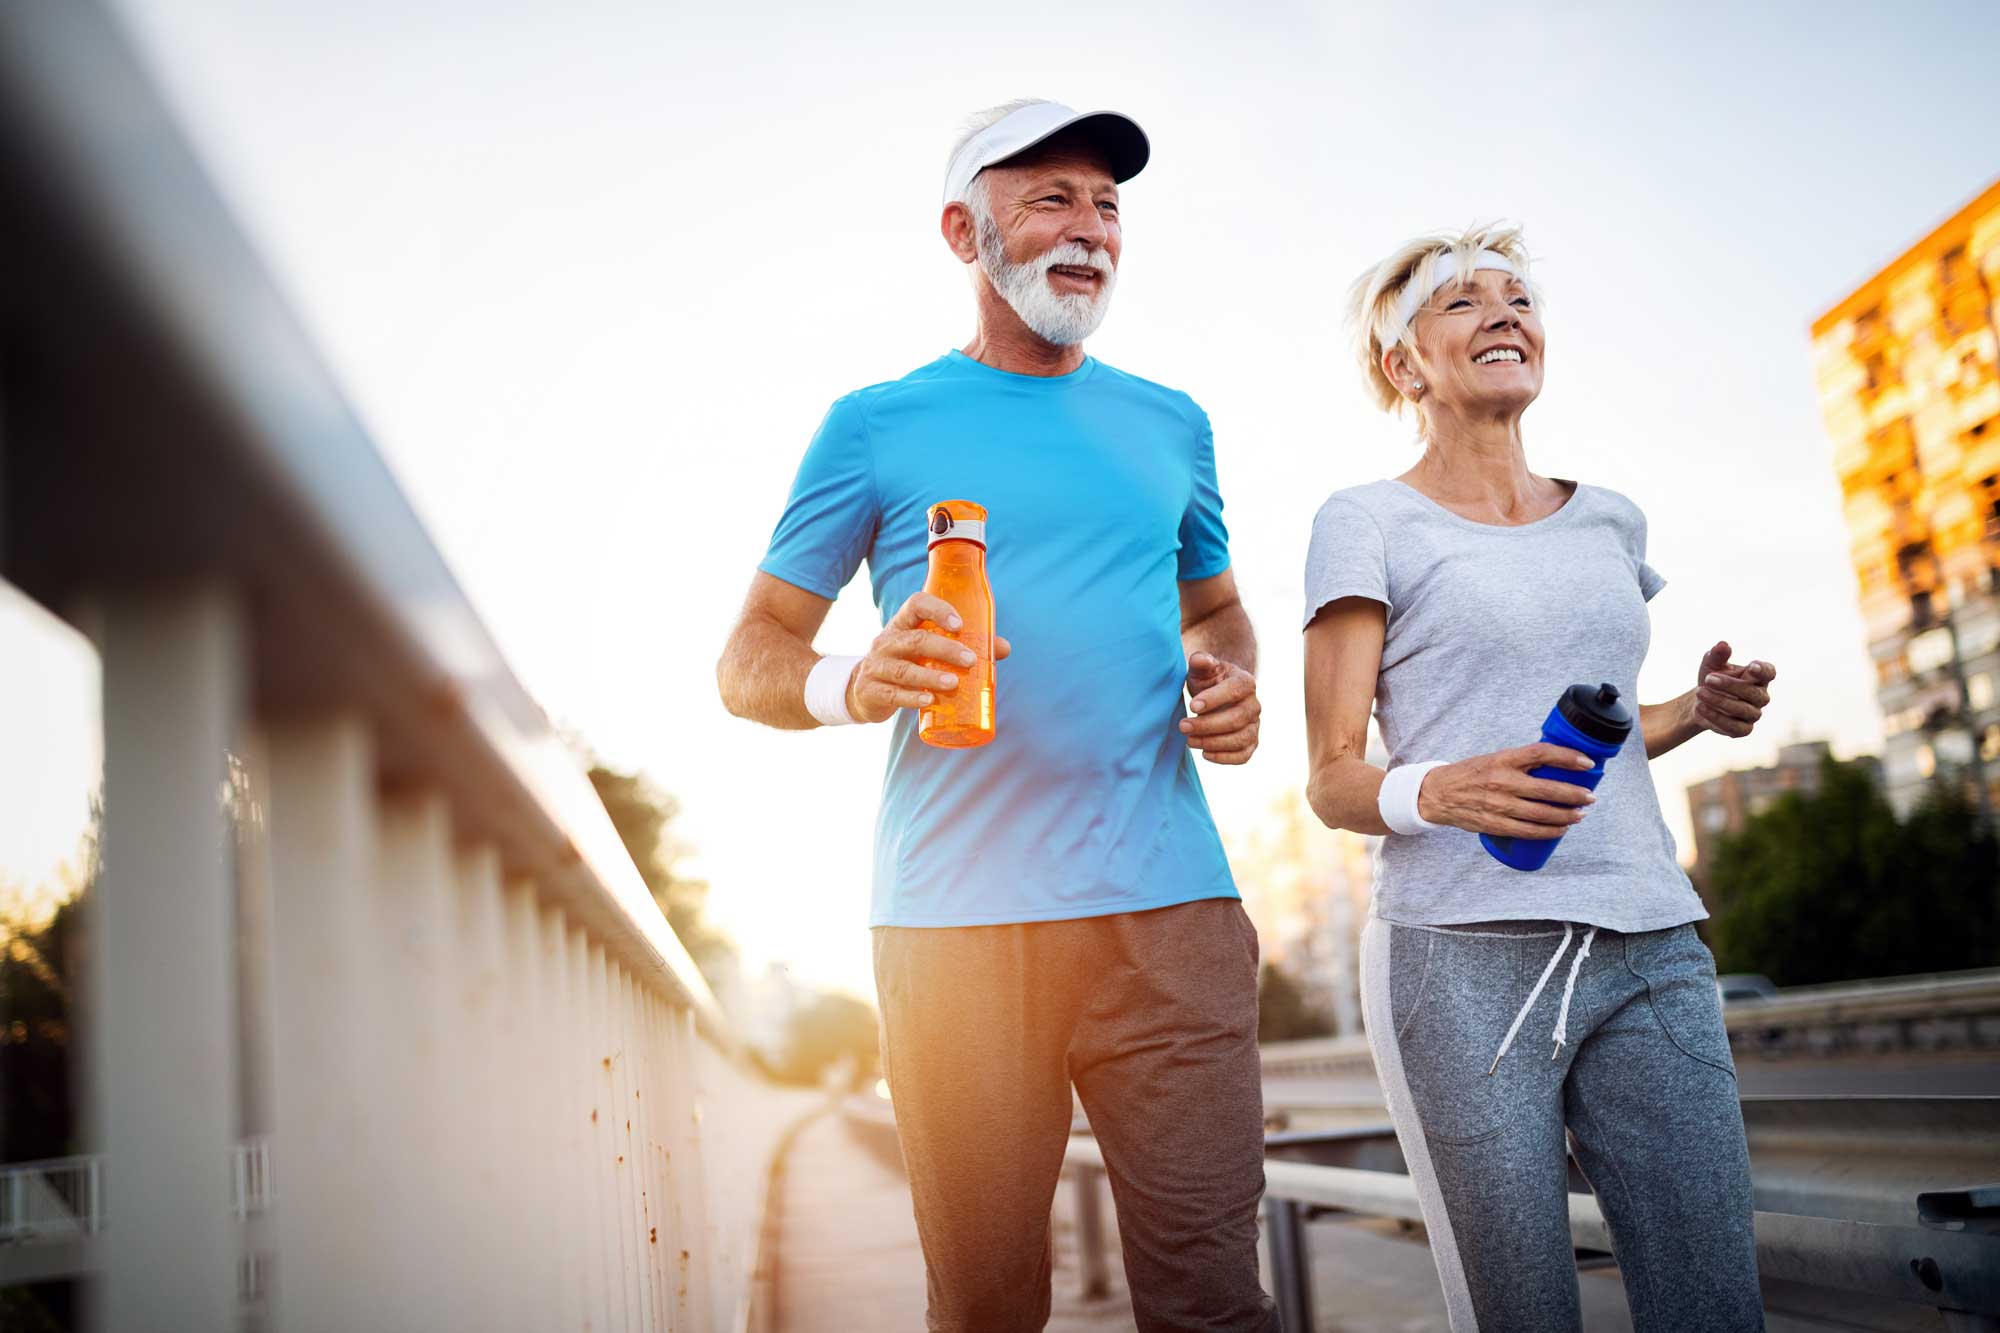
[(1744, 986)]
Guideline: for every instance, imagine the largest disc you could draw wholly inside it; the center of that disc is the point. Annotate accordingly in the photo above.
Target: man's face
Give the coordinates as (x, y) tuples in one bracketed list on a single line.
[(1066, 194), (1050, 239)]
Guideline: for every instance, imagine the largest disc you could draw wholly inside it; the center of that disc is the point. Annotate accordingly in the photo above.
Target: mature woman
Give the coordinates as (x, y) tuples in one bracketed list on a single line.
[(1460, 600)]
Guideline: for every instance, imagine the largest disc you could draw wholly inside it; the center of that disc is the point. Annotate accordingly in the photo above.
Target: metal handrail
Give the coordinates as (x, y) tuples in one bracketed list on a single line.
[(1939, 996), (250, 1180), (1892, 999), (54, 1198), (1957, 1271), (250, 1165)]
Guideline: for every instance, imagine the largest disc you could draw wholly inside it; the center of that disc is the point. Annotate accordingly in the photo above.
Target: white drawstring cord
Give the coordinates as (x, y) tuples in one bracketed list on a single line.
[(1576, 966), (1534, 995), (1569, 989)]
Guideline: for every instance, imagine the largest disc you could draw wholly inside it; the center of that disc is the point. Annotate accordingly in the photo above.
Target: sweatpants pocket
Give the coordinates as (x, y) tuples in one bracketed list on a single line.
[(1679, 973), (1452, 996)]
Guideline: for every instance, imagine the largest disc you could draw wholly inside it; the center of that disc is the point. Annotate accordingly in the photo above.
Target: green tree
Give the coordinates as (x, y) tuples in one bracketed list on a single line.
[(643, 815), (41, 961), (1282, 1011), (38, 982), (1832, 887)]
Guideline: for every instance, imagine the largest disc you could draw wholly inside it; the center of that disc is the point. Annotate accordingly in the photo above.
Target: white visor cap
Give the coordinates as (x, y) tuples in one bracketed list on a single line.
[(1120, 139)]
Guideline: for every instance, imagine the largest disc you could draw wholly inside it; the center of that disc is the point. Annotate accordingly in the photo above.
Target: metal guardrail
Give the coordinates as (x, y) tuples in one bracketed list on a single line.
[(1858, 1200), (62, 1198), (1947, 1010), (57, 1198), (251, 1167)]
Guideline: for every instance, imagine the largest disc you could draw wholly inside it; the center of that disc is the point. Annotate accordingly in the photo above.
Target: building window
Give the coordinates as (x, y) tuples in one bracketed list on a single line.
[(1930, 650), (1926, 762), (1954, 746), (1920, 608), (1951, 267), (1902, 720), (1980, 691), (1716, 818), (1989, 743)]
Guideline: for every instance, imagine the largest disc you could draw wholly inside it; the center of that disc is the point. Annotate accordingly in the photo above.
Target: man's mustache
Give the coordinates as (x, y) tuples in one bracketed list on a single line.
[(1071, 255)]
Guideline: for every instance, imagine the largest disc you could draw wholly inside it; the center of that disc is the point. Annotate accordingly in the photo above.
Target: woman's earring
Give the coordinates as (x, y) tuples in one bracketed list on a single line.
[(1417, 388)]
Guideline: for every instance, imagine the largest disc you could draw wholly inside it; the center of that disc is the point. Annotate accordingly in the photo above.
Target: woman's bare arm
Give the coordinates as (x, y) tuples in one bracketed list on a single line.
[(1343, 658), (1488, 793)]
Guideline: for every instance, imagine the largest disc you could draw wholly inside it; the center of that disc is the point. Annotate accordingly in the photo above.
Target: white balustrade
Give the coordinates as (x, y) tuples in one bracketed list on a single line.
[(384, 1028)]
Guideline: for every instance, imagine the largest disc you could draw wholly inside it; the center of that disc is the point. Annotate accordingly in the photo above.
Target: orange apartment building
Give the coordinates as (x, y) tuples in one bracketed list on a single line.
[(1906, 367)]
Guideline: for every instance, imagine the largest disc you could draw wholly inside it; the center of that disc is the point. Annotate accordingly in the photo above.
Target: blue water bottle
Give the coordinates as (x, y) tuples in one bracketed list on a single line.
[(1589, 719)]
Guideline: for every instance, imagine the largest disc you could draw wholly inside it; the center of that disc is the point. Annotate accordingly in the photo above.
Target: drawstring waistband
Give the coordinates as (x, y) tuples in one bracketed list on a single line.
[(1569, 988)]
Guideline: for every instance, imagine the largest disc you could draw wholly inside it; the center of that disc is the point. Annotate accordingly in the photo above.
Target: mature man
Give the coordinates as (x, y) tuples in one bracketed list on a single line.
[(1054, 907)]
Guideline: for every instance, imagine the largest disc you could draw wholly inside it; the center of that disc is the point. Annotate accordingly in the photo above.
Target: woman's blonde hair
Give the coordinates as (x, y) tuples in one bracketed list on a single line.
[(1373, 300)]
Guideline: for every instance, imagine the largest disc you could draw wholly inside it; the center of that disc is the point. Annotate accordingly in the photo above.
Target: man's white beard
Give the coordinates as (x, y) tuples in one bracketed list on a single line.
[(1061, 319)]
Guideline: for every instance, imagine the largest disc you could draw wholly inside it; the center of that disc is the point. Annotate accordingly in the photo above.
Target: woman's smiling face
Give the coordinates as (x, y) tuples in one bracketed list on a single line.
[(1479, 346)]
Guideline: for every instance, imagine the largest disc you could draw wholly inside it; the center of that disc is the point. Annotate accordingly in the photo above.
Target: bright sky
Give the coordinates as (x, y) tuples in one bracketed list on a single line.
[(592, 273)]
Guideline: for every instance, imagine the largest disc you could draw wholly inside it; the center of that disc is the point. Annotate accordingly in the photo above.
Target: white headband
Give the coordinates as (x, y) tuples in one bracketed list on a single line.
[(1442, 271)]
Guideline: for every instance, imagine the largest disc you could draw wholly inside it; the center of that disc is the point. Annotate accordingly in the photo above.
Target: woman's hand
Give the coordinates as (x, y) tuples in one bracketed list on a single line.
[(1492, 793), (1728, 698)]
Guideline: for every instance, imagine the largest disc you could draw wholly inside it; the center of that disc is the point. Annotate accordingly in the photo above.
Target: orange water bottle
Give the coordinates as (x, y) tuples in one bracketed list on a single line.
[(962, 716)]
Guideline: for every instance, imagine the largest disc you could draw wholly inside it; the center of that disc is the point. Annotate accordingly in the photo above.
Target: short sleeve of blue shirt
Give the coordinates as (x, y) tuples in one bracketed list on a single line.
[(1204, 540), (832, 513)]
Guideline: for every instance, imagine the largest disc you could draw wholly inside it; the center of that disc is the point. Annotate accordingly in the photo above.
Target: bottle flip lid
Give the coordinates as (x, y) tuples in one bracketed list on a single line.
[(956, 521), (1597, 712)]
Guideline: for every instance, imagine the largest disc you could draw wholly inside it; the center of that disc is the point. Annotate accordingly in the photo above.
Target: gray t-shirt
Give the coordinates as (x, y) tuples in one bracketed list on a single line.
[(1487, 626)]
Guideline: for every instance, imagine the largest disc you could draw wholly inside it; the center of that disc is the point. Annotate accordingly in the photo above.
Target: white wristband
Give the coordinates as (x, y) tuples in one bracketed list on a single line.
[(1397, 800), (826, 691)]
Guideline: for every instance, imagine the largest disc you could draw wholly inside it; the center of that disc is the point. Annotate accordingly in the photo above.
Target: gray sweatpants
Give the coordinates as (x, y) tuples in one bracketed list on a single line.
[(1153, 1017), (1643, 1084)]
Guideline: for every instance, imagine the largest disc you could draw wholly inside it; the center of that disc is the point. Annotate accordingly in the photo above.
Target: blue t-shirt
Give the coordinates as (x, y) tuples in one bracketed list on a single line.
[(1100, 494)]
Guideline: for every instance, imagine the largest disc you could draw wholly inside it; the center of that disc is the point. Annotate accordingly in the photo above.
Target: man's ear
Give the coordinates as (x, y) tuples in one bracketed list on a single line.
[(960, 232)]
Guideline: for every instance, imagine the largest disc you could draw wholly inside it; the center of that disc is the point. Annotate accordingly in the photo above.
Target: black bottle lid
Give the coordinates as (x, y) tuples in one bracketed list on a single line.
[(1597, 712)]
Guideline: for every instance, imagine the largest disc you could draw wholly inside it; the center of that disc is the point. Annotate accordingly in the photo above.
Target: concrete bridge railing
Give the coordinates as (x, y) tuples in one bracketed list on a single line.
[(383, 1029)]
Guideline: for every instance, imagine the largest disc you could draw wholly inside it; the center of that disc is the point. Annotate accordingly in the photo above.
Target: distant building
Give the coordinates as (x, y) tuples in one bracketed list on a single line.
[(1908, 386), (1724, 804)]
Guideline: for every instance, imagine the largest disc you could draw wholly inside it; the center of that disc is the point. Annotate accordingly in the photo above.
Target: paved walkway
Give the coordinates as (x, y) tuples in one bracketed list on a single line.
[(848, 1258)]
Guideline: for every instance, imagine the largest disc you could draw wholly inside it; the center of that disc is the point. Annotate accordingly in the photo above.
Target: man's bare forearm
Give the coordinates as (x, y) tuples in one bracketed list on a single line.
[(1226, 633), (762, 675)]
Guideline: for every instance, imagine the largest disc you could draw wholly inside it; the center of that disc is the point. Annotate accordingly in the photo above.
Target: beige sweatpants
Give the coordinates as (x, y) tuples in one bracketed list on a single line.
[(1153, 1017)]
